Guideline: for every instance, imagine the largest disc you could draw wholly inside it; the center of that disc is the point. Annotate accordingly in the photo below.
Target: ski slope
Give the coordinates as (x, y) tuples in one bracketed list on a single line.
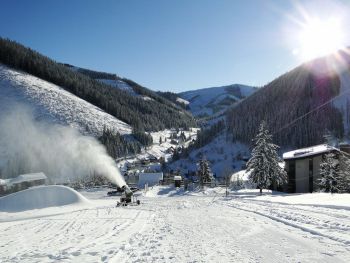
[(176, 226), (54, 104)]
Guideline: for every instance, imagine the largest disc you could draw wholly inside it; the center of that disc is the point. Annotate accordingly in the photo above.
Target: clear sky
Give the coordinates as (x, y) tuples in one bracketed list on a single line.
[(173, 45)]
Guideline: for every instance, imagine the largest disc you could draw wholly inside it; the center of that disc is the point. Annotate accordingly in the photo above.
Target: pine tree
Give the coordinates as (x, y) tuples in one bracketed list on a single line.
[(344, 182), (264, 167), (330, 174), (204, 172)]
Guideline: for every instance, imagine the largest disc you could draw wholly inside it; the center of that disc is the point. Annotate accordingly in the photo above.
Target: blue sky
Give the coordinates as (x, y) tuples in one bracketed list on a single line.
[(163, 45)]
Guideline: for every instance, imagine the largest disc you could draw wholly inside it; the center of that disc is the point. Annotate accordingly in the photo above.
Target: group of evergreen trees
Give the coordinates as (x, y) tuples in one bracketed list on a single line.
[(144, 138), (173, 97), (283, 104), (118, 146), (205, 136), (156, 114), (335, 173)]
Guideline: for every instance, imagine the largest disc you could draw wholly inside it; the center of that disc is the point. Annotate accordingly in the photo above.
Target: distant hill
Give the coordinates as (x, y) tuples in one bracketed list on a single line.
[(209, 101), (146, 111)]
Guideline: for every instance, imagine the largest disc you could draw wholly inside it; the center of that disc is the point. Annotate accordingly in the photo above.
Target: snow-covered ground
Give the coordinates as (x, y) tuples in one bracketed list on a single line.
[(53, 103), (171, 225)]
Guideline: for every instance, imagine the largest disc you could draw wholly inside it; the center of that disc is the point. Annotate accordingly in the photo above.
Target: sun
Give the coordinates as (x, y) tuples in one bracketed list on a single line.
[(319, 37)]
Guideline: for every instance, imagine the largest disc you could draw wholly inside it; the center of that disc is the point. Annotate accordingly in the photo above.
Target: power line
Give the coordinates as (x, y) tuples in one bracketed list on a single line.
[(313, 110)]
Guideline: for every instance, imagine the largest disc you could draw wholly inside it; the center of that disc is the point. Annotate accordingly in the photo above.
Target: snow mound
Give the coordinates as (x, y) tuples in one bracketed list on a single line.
[(41, 197)]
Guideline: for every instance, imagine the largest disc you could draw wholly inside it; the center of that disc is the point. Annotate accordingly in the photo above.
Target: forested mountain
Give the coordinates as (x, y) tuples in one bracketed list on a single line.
[(209, 101), (300, 105), (141, 113)]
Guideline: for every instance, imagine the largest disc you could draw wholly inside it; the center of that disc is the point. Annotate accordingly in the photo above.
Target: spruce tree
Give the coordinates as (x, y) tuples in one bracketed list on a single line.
[(264, 167), (344, 166), (330, 174), (204, 172)]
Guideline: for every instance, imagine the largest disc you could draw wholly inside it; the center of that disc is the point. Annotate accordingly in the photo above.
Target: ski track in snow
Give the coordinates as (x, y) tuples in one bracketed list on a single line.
[(182, 229)]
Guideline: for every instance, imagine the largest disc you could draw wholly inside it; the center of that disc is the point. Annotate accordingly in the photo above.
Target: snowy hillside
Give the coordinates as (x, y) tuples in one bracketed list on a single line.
[(212, 100), (119, 84), (172, 225), (223, 155), (54, 104)]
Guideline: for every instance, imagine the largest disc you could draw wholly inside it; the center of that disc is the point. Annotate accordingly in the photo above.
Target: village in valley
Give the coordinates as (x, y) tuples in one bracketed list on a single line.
[(126, 134)]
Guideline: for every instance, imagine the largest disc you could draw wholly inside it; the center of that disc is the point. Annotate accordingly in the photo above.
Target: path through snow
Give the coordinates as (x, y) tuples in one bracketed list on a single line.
[(182, 228)]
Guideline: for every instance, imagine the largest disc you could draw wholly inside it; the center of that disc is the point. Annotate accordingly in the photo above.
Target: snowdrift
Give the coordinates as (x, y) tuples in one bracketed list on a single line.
[(41, 197)]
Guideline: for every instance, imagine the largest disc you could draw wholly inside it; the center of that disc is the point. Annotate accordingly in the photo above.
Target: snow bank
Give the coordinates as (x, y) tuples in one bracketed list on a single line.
[(41, 197), (337, 201)]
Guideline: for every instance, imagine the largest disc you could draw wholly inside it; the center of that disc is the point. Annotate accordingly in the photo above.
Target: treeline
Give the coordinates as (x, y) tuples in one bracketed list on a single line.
[(173, 98), (154, 115), (138, 89), (204, 137), (117, 145), (283, 104), (144, 138)]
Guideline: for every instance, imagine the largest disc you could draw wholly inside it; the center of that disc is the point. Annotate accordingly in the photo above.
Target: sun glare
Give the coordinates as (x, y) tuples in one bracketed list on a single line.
[(320, 37)]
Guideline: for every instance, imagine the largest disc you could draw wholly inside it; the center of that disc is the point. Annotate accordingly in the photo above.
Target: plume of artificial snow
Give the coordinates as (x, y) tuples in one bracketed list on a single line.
[(61, 152)]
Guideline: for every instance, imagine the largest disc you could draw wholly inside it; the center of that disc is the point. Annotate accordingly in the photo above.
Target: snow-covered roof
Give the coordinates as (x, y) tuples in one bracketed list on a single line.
[(177, 177), (310, 151), (27, 178)]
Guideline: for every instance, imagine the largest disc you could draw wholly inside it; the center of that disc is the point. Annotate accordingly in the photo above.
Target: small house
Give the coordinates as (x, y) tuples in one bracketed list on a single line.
[(303, 167)]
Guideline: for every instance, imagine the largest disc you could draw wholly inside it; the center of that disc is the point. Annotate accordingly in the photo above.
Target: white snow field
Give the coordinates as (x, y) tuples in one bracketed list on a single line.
[(171, 225), (53, 103)]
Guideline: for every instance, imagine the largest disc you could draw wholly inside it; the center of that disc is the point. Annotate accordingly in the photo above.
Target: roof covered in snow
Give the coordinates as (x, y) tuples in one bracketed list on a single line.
[(310, 151)]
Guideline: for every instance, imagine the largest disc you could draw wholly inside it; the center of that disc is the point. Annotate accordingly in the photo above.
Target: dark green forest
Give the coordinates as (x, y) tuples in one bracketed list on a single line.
[(283, 104), (153, 115)]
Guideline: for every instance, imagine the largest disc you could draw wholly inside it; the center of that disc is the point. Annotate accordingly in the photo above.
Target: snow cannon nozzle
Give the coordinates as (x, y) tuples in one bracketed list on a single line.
[(126, 189)]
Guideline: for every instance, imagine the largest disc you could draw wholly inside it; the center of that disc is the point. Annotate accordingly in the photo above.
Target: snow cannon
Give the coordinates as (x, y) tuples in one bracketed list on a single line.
[(127, 197)]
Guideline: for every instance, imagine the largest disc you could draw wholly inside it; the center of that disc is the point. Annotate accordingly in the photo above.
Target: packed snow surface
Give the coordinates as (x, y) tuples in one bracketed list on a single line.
[(173, 225), (40, 197), (53, 103)]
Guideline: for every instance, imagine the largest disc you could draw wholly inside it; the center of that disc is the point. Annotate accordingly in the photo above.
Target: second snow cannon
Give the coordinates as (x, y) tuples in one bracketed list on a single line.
[(128, 197)]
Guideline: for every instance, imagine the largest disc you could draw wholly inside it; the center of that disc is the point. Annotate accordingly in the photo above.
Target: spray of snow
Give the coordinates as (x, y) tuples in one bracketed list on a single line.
[(29, 145)]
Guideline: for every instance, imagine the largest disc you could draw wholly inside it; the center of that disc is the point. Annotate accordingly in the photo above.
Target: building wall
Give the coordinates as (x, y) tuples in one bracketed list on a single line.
[(316, 175), (302, 176)]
